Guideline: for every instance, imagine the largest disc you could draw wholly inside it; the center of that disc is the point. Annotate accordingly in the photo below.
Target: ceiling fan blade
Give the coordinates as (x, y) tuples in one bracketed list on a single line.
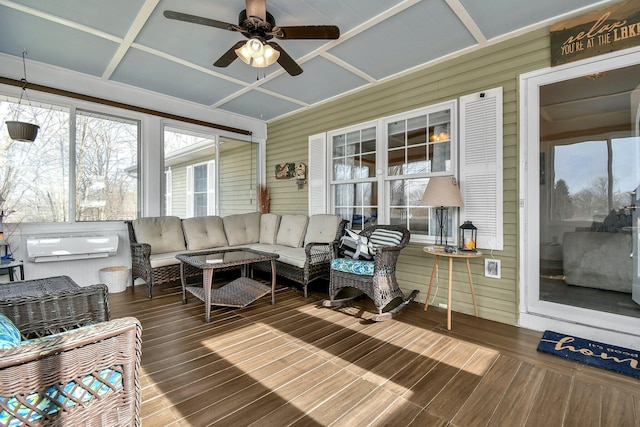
[(329, 32), (257, 8), (179, 16), (229, 56), (286, 61)]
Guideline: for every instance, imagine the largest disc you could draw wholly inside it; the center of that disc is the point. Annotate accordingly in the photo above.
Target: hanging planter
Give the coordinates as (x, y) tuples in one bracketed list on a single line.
[(22, 131)]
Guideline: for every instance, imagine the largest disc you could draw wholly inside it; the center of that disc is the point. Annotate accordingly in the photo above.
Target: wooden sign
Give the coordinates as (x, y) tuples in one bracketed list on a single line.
[(605, 30)]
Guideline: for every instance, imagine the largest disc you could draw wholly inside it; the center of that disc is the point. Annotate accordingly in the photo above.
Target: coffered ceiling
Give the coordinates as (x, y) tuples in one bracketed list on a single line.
[(132, 43)]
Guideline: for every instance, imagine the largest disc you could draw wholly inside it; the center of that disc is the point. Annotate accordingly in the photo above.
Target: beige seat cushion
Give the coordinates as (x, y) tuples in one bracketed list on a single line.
[(164, 233), (292, 230), (164, 259), (269, 228), (242, 229), (292, 256), (204, 232), (322, 228)]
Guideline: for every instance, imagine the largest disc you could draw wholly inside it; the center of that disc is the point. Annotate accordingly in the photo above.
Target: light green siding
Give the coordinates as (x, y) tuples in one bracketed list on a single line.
[(494, 66), (237, 180)]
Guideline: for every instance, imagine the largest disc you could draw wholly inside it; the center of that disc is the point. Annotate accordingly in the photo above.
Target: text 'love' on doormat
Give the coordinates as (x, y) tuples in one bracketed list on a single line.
[(605, 356)]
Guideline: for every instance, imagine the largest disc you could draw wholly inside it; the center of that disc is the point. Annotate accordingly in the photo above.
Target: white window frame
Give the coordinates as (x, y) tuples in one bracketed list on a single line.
[(385, 186), (329, 155)]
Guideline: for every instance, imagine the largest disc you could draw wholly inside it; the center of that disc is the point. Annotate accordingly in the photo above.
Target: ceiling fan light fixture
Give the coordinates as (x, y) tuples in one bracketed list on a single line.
[(255, 47), (257, 54), (243, 54)]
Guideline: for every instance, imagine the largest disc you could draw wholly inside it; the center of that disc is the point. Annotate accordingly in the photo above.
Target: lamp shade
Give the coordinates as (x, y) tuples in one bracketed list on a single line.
[(442, 191)]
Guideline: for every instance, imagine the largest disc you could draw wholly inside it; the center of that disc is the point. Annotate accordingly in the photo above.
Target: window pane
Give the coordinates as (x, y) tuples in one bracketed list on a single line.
[(396, 161), (396, 132), (200, 204), (407, 210), (183, 148), (106, 167), (580, 193), (200, 179), (357, 203), (354, 155), (425, 143), (417, 160), (440, 154), (35, 176)]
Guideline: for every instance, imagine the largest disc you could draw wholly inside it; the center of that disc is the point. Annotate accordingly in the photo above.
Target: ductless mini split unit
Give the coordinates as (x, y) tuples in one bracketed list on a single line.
[(65, 248)]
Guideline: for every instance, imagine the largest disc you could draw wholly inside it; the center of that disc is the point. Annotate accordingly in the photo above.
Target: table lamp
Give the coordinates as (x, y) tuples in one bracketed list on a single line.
[(443, 193)]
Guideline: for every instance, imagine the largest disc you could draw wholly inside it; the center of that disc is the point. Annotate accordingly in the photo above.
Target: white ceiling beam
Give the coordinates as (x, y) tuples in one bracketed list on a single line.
[(140, 20), (467, 20)]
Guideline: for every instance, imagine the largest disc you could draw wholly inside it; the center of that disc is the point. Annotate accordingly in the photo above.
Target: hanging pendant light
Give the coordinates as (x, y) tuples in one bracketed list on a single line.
[(22, 131)]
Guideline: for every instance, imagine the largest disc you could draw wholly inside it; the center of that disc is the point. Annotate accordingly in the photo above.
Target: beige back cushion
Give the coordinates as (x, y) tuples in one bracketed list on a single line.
[(322, 228), (242, 229), (269, 224), (292, 230), (163, 233), (204, 232)]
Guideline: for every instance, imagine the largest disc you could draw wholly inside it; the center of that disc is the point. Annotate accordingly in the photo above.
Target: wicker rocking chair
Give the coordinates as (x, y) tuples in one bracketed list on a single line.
[(375, 278)]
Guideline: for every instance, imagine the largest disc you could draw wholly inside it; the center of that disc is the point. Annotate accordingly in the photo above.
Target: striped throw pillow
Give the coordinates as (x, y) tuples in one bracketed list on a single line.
[(382, 237)]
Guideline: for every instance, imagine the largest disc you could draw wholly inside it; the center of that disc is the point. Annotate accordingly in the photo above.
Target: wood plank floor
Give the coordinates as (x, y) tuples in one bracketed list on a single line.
[(299, 364)]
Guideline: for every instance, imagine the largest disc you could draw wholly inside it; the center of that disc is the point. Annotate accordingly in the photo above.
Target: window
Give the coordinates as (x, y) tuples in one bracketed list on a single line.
[(419, 145), (354, 183), (190, 182), (395, 167), (380, 170), (106, 158), (38, 178), (208, 174)]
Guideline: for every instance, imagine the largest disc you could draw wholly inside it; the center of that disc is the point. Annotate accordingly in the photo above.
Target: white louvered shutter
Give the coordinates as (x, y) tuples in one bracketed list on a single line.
[(211, 187), (481, 173), (190, 191), (317, 174), (168, 192)]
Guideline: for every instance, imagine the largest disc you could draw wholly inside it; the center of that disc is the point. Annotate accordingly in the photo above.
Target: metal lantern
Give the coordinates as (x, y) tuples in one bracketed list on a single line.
[(467, 237)]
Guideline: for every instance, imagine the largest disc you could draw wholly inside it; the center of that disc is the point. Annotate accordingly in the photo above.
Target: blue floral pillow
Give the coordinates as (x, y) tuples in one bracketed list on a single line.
[(9, 334)]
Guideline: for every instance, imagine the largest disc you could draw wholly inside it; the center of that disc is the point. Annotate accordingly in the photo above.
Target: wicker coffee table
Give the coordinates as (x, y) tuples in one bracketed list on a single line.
[(237, 293)]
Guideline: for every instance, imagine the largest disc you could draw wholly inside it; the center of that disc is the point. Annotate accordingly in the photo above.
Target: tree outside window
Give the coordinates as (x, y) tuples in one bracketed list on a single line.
[(35, 177)]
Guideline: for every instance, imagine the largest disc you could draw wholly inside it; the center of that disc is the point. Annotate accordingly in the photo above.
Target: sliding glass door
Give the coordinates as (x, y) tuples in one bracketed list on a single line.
[(582, 148)]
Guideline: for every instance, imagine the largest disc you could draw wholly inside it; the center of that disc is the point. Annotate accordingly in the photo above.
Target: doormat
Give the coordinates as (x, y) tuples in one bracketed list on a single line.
[(605, 356)]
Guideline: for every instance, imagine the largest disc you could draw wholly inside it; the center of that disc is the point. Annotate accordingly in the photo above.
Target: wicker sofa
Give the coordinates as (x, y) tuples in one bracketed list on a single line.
[(302, 243), (64, 338)]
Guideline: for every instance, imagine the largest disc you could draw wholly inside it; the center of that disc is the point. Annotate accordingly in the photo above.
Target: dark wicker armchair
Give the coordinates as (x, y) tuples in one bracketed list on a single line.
[(41, 307), (376, 278), (67, 339), (39, 379)]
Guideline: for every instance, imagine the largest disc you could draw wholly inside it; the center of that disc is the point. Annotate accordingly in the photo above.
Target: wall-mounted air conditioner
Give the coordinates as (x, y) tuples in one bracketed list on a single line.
[(64, 248)]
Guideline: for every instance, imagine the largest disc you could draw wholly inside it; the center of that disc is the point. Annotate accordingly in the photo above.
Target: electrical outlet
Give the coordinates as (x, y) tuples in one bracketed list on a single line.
[(442, 305)]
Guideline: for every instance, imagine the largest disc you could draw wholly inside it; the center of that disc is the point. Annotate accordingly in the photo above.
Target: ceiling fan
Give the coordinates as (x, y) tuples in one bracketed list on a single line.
[(259, 26)]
